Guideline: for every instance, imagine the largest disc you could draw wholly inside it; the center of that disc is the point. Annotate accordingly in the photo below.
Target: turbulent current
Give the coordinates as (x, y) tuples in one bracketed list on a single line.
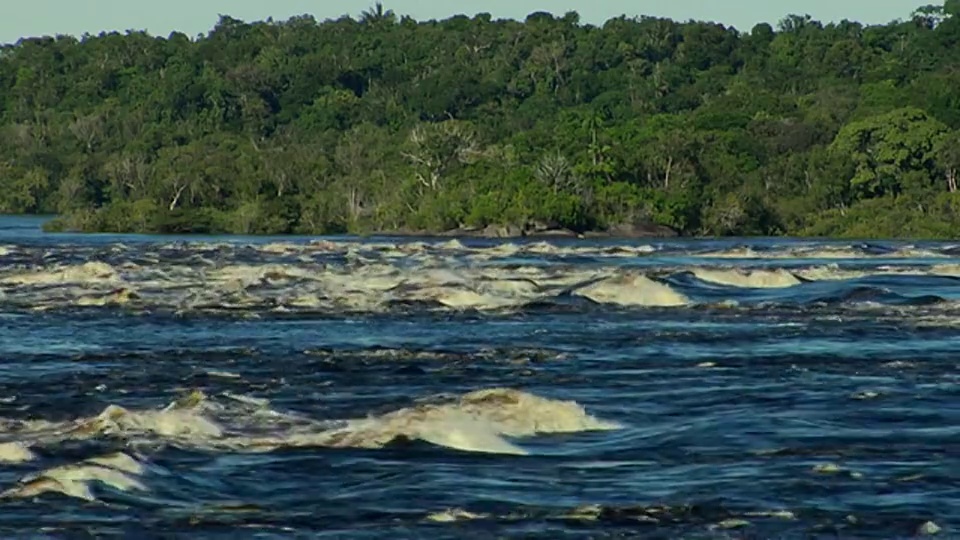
[(204, 387)]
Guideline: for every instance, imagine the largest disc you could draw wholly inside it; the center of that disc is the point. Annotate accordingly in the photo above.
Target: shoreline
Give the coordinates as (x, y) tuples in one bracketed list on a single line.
[(638, 232), (490, 232), (513, 233)]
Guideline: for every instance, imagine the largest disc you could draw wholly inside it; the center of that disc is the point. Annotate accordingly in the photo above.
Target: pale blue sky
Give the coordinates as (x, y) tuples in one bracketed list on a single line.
[(22, 18)]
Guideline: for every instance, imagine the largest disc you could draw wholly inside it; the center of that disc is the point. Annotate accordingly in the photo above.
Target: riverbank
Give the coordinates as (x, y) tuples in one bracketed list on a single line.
[(539, 230), (200, 222)]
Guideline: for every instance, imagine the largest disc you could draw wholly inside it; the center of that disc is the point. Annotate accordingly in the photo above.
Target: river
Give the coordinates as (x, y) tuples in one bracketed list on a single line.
[(223, 387)]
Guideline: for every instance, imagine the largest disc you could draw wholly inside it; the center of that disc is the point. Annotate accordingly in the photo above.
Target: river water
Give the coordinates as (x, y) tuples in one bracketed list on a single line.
[(210, 387)]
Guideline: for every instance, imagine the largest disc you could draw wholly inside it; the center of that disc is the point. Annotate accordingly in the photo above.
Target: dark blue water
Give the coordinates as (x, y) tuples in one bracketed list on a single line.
[(314, 388)]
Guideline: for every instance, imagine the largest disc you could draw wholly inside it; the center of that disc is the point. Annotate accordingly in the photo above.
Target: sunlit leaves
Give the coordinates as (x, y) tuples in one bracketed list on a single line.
[(381, 122)]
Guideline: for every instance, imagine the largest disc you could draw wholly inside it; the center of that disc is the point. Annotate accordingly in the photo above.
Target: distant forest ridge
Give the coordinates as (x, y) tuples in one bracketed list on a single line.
[(544, 126)]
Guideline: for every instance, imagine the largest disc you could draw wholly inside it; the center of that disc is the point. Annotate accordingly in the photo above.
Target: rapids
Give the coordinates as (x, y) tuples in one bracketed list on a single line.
[(441, 388)]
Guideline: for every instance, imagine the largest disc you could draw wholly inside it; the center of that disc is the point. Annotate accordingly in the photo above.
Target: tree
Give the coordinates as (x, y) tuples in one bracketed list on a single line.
[(437, 148), (885, 147), (377, 15), (947, 152), (554, 171), (380, 122)]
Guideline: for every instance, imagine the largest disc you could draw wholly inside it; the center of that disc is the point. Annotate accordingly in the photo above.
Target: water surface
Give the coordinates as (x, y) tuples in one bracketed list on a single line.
[(380, 388)]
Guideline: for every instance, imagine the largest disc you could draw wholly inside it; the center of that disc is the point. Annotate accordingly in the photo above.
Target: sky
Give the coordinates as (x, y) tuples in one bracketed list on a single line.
[(159, 17)]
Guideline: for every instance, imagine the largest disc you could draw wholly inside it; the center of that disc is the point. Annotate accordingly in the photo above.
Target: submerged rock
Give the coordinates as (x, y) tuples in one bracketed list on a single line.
[(632, 230)]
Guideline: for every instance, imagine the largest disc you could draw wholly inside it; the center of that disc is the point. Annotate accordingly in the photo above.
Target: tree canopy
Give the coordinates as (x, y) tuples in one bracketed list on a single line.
[(384, 123)]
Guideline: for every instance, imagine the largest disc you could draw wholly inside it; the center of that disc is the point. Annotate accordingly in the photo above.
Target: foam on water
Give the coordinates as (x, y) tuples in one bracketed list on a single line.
[(116, 471), (476, 422), (376, 277), (391, 388), (758, 279), (633, 290), (15, 452)]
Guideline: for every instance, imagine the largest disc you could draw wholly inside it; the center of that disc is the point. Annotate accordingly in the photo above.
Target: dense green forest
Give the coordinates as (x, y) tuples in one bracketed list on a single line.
[(383, 123)]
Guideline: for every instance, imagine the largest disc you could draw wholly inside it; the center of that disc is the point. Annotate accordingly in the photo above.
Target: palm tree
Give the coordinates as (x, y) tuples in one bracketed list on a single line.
[(377, 15)]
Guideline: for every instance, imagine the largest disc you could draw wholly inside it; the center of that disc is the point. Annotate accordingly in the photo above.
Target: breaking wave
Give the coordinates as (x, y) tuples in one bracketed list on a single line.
[(331, 277), (484, 421), (466, 388)]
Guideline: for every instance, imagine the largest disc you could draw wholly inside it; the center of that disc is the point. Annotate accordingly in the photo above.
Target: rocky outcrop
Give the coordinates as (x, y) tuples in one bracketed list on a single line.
[(533, 229), (540, 229), (635, 230)]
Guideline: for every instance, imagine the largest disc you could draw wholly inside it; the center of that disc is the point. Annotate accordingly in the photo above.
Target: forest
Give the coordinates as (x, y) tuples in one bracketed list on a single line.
[(381, 123)]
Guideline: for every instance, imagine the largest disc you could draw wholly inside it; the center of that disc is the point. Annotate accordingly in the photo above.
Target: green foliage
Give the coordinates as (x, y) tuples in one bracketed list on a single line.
[(888, 217), (887, 148), (386, 124)]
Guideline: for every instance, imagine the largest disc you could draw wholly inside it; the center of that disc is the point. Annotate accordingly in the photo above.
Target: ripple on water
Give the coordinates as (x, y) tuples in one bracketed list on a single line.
[(477, 389)]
